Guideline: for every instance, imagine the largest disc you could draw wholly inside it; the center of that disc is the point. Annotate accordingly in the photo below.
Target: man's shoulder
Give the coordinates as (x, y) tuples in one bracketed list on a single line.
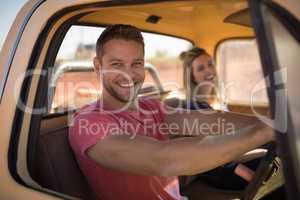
[(95, 110), (92, 111), (93, 106), (152, 103), (87, 126), (155, 106)]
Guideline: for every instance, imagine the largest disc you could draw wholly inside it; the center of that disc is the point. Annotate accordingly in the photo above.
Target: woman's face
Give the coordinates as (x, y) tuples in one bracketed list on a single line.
[(204, 72)]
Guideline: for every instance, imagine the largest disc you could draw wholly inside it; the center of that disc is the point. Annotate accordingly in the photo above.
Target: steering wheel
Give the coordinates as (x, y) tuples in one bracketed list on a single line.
[(268, 176)]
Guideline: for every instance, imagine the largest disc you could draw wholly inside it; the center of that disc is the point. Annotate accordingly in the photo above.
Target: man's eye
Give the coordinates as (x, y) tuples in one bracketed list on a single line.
[(139, 64), (116, 64)]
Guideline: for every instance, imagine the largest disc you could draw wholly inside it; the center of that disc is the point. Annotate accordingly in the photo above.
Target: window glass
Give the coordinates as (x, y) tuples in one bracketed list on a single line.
[(240, 72), (76, 54), (74, 89)]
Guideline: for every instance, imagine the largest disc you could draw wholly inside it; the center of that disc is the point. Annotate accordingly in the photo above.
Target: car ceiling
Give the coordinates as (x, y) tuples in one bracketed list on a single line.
[(200, 21)]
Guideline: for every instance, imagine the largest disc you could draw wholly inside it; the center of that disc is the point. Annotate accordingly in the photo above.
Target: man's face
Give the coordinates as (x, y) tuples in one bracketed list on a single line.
[(122, 67)]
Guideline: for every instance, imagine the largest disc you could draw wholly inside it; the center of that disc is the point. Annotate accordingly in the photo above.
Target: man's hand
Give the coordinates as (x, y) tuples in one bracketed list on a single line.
[(267, 133)]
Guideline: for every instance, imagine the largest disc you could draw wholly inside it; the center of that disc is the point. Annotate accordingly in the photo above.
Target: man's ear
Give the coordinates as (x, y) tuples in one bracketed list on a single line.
[(97, 64)]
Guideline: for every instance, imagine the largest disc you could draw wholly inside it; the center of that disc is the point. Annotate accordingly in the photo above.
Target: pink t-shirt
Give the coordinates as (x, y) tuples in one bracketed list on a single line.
[(92, 123)]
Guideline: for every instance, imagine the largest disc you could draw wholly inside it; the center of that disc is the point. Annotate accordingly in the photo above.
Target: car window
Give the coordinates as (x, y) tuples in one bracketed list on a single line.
[(240, 72), (76, 84), (78, 49)]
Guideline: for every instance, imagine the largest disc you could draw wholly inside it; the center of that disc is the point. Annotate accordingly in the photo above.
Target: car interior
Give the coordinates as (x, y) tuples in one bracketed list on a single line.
[(203, 23)]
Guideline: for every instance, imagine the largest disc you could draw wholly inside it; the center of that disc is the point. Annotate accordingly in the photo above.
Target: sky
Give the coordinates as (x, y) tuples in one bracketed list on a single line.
[(9, 10), (89, 35)]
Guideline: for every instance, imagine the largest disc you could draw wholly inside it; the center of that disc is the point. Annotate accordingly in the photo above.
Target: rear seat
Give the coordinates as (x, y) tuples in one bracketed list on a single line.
[(56, 167)]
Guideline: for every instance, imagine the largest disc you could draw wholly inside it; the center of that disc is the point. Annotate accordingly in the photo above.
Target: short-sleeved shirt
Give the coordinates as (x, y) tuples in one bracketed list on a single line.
[(93, 123)]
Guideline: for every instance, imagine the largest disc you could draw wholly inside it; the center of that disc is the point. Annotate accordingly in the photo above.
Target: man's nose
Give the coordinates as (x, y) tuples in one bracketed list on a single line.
[(130, 74)]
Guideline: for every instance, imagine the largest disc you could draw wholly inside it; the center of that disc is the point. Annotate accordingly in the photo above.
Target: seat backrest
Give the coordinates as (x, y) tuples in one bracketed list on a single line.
[(56, 167)]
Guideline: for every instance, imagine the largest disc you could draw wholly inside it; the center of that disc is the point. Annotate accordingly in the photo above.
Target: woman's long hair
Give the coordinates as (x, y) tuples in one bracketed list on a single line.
[(189, 82)]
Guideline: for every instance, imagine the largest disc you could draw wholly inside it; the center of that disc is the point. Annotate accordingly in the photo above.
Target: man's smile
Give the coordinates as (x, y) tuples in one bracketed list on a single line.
[(126, 85)]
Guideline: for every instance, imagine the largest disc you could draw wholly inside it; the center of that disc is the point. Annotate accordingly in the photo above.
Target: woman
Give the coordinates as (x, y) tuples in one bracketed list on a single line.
[(200, 80), (200, 84)]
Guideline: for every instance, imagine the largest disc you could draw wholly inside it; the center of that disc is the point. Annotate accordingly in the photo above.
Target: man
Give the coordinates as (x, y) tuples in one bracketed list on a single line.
[(122, 143)]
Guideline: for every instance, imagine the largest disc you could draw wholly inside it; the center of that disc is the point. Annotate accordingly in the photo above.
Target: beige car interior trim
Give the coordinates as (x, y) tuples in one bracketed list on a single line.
[(178, 17)]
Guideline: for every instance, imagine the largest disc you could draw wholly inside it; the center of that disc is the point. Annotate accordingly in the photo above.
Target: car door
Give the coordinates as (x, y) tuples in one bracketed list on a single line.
[(22, 60), (276, 26)]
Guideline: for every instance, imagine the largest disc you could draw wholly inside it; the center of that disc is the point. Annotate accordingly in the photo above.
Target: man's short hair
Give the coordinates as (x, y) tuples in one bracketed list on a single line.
[(119, 31)]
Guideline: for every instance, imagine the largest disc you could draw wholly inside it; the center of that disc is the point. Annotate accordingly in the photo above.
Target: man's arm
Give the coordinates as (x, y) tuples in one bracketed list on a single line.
[(182, 156), (206, 122)]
